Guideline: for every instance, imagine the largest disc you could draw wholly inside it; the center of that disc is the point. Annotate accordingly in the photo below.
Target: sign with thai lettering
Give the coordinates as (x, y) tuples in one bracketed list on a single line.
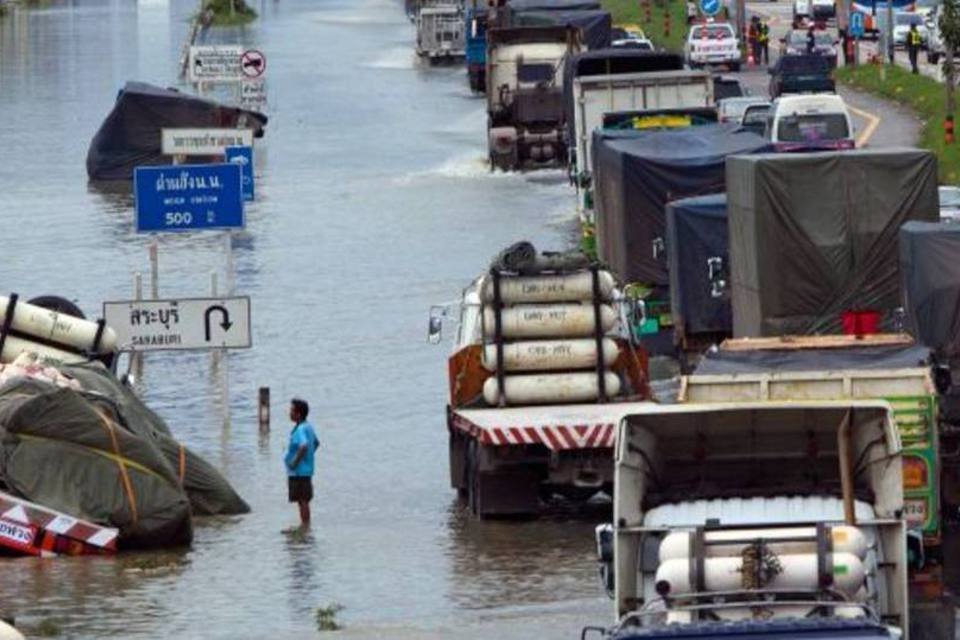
[(180, 324), (188, 197), (215, 63), (253, 94), (202, 142)]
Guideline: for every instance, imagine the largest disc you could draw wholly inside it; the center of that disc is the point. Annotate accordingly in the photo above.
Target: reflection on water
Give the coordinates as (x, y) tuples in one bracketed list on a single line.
[(373, 203)]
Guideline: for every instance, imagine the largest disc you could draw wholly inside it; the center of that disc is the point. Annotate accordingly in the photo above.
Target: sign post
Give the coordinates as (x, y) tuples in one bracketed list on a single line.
[(202, 142), (243, 157), (188, 197), (180, 324), (710, 7)]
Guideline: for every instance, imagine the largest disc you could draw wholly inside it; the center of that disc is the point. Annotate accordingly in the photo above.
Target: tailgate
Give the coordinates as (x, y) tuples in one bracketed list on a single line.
[(559, 428)]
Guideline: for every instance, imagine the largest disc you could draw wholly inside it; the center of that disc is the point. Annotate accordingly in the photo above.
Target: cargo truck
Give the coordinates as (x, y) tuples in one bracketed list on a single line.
[(476, 47), (525, 111), (440, 31), (532, 406), (757, 519), (602, 82), (886, 367)]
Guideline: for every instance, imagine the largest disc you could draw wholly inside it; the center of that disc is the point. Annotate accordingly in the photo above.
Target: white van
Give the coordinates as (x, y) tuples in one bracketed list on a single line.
[(812, 122)]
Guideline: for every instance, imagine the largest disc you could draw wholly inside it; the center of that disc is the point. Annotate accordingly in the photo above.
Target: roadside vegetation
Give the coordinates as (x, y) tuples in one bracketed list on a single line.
[(228, 13), (925, 96), (327, 617), (653, 16)]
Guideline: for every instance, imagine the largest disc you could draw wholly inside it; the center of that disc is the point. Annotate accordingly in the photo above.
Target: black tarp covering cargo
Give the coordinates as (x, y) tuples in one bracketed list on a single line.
[(594, 25), (130, 135), (605, 62), (781, 360), (930, 277), (697, 243), (554, 5), (813, 235), (208, 491), (63, 452), (637, 172)]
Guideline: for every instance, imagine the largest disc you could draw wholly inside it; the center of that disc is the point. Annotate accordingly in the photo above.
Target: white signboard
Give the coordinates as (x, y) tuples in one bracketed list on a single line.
[(253, 94), (215, 63), (203, 142), (188, 323)]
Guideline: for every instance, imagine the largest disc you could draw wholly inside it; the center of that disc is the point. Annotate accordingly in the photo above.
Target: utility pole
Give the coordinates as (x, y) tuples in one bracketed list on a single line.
[(890, 46), (949, 24)]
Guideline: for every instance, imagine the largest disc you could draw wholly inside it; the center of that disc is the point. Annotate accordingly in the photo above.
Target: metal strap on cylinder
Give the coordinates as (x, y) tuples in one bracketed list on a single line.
[(498, 337), (697, 579), (7, 320), (95, 348), (598, 334)]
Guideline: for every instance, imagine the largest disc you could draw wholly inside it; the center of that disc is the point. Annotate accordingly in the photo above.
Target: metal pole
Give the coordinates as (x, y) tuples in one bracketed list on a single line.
[(136, 356), (263, 412), (891, 48), (154, 270), (216, 353), (228, 249)]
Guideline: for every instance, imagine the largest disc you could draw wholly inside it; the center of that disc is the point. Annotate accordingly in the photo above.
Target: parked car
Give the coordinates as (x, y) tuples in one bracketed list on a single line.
[(810, 123), (950, 203), (727, 87), (901, 26), (801, 74), (823, 9), (630, 38), (794, 43), (732, 109), (713, 43), (755, 117)]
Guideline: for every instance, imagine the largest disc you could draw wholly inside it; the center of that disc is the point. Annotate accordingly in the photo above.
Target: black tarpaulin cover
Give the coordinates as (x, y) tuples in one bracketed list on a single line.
[(130, 135), (720, 362), (594, 24), (637, 172), (603, 62), (696, 234), (554, 5), (815, 234), (930, 277)]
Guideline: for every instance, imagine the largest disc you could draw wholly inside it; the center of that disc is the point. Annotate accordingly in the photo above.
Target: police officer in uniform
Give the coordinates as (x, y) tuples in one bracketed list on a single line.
[(913, 47)]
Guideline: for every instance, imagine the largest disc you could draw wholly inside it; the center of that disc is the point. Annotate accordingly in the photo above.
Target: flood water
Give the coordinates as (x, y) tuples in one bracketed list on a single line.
[(374, 202)]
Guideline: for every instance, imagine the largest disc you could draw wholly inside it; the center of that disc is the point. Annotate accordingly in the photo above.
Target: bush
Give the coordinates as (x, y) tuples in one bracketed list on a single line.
[(925, 96), (230, 12), (634, 12)]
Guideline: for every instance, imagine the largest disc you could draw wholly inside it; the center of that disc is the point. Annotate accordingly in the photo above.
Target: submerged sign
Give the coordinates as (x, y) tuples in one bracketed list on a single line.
[(182, 324), (243, 156), (215, 63), (202, 142), (188, 197)]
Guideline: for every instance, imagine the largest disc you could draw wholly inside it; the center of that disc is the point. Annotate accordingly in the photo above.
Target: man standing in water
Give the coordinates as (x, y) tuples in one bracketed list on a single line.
[(299, 459)]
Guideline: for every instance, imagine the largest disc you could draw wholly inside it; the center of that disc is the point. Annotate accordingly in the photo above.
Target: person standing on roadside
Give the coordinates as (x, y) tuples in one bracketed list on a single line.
[(752, 39), (914, 41), (811, 41), (299, 459), (764, 37)]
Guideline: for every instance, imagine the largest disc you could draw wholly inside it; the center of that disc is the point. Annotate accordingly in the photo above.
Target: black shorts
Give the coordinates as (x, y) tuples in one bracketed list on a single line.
[(299, 488)]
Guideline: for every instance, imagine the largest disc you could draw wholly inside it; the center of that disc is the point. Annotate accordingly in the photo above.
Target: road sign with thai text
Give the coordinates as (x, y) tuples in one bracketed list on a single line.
[(180, 324), (202, 142), (188, 197), (215, 63)]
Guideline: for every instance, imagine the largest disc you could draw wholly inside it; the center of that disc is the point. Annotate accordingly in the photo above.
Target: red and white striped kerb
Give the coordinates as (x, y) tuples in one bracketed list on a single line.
[(554, 437), (30, 529)]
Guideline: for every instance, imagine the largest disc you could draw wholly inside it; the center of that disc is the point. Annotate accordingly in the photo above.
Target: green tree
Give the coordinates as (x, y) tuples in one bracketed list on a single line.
[(949, 25)]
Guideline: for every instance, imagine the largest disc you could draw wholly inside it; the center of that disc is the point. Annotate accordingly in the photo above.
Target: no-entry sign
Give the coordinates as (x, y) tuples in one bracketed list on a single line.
[(253, 63)]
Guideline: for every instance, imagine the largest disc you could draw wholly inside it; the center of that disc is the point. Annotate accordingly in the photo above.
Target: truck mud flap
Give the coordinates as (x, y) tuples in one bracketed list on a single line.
[(506, 493)]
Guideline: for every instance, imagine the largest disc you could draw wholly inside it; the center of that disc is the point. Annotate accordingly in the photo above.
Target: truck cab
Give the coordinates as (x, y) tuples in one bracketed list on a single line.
[(525, 95), (774, 519), (440, 31)]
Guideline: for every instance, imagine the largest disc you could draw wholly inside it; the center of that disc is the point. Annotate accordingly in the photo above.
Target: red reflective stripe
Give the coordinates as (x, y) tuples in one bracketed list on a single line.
[(565, 432), (532, 435), (552, 440)]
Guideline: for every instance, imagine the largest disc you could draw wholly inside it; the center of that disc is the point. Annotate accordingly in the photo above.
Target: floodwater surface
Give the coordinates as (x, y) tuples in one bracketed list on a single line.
[(374, 201)]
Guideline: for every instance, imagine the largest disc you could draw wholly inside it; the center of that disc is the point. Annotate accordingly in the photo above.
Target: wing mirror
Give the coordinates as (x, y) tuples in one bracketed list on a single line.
[(435, 324)]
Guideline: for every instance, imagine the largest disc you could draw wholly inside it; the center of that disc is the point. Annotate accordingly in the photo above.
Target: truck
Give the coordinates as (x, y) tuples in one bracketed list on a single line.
[(440, 30), (610, 81), (476, 47), (769, 519), (543, 422), (526, 117), (890, 368)]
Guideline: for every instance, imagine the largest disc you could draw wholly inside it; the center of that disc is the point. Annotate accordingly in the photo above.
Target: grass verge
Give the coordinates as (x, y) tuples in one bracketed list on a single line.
[(925, 96), (230, 13), (653, 16)]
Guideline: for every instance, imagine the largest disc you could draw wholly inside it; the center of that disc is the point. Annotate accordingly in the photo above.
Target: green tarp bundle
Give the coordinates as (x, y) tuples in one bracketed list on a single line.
[(102, 455)]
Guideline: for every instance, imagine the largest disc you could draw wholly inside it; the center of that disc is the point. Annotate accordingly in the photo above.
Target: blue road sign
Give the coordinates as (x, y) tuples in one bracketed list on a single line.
[(188, 197), (710, 7), (857, 22), (243, 156)]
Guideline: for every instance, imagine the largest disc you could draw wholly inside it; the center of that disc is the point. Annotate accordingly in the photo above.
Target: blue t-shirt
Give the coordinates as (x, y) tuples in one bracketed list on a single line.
[(302, 434)]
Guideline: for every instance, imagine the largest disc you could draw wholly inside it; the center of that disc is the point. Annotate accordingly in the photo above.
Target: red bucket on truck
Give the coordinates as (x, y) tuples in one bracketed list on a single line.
[(861, 323)]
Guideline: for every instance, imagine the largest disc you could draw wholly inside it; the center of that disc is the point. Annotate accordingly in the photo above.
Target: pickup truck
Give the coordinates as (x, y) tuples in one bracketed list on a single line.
[(713, 43)]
